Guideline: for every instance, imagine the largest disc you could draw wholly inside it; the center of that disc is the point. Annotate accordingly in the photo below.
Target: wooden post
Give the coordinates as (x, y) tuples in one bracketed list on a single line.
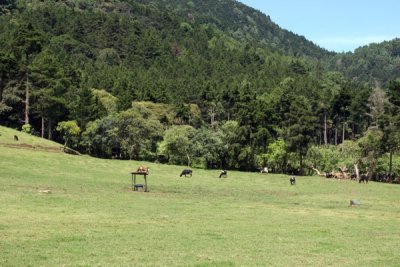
[(134, 180), (145, 182), (27, 107)]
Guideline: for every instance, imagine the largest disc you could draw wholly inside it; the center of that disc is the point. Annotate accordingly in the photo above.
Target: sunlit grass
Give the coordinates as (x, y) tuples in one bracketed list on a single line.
[(93, 218)]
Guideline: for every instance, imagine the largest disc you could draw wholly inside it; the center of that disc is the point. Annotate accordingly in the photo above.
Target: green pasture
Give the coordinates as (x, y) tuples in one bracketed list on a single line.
[(93, 218)]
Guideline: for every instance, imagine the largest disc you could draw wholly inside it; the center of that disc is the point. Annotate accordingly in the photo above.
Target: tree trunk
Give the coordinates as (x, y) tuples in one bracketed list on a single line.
[(50, 132), (212, 116), (65, 144), (390, 165), (1, 89), (344, 125), (336, 136), (344, 170), (301, 164), (42, 127), (317, 171), (131, 152), (188, 157), (357, 170), (372, 168), (325, 131), (27, 99)]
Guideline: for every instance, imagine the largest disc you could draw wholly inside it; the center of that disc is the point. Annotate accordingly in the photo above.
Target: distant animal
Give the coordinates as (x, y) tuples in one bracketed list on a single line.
[(355, 202), (353, 176), (15, 137), (329, 175), (338, 175), (223, 173), (143, 169), (186, 172), (264, 170), (383, 177), (363, 178), (293, 180)]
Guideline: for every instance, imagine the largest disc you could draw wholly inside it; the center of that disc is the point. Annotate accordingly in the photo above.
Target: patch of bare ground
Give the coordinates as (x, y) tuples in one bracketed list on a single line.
[(34, 147)]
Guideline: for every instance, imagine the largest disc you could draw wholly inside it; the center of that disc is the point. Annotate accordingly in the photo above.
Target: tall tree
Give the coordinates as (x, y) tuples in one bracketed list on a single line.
[(341, 113), (391, 128), (27, 41), (299, 128), (87, 107), (371, 147), (376, 103), (49, 89), (7, 67)]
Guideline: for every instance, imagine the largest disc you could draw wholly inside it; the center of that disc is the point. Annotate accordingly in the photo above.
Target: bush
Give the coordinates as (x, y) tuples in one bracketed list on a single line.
[(27, 128)]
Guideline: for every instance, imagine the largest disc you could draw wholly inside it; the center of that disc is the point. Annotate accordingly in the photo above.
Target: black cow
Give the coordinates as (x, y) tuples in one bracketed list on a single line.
[(293, 180), (186, 172), (15, 137), (329, 175), (363, 178), (223, 173)]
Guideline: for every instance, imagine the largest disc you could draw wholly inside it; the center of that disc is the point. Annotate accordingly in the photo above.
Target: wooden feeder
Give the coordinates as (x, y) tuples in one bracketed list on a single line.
[(135, 186)]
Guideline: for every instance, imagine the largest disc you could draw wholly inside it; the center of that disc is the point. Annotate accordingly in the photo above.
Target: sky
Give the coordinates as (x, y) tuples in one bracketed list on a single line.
[(336, 25)]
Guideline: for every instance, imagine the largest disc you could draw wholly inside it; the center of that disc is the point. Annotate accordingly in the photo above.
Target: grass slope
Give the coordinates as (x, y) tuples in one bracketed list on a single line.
[(92, 218), (26, 141)]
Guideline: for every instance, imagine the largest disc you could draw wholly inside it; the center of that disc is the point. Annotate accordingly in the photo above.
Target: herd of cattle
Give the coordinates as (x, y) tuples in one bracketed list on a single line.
[(363, 177), (292, 180), (223, 173)]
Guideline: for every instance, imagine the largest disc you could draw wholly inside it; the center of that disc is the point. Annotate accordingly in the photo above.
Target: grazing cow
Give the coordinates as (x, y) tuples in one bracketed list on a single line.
[(383, 177), (264, 170), (363, 178), (293, 180), (329, 175), (223, 173), (15, 137), (143, 169), (186, 172)]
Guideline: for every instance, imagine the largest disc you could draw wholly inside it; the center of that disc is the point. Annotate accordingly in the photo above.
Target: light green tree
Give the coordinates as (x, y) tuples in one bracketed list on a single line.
[(69, 130), (138, 134), (277, 155), (177, 145)]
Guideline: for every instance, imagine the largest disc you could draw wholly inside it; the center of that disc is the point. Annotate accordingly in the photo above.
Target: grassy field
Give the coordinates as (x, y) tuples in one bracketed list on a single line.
[(93, 218)]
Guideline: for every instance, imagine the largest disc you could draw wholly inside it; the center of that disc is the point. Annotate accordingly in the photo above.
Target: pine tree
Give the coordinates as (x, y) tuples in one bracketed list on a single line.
[(299, 128)]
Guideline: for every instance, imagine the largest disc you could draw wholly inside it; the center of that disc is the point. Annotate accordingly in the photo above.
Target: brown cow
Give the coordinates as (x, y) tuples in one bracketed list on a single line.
[(338, 175), (143, 169)]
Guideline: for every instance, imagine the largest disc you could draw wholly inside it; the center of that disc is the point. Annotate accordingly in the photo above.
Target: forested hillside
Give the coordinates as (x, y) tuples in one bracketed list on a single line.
[(204, 83), (242, 23), (376, 64)]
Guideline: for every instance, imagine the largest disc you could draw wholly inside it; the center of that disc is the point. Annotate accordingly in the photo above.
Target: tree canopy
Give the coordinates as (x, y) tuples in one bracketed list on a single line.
[(205, 83)]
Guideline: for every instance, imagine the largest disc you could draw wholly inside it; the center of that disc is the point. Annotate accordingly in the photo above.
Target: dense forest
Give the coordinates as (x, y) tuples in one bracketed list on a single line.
[(212, 84)]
